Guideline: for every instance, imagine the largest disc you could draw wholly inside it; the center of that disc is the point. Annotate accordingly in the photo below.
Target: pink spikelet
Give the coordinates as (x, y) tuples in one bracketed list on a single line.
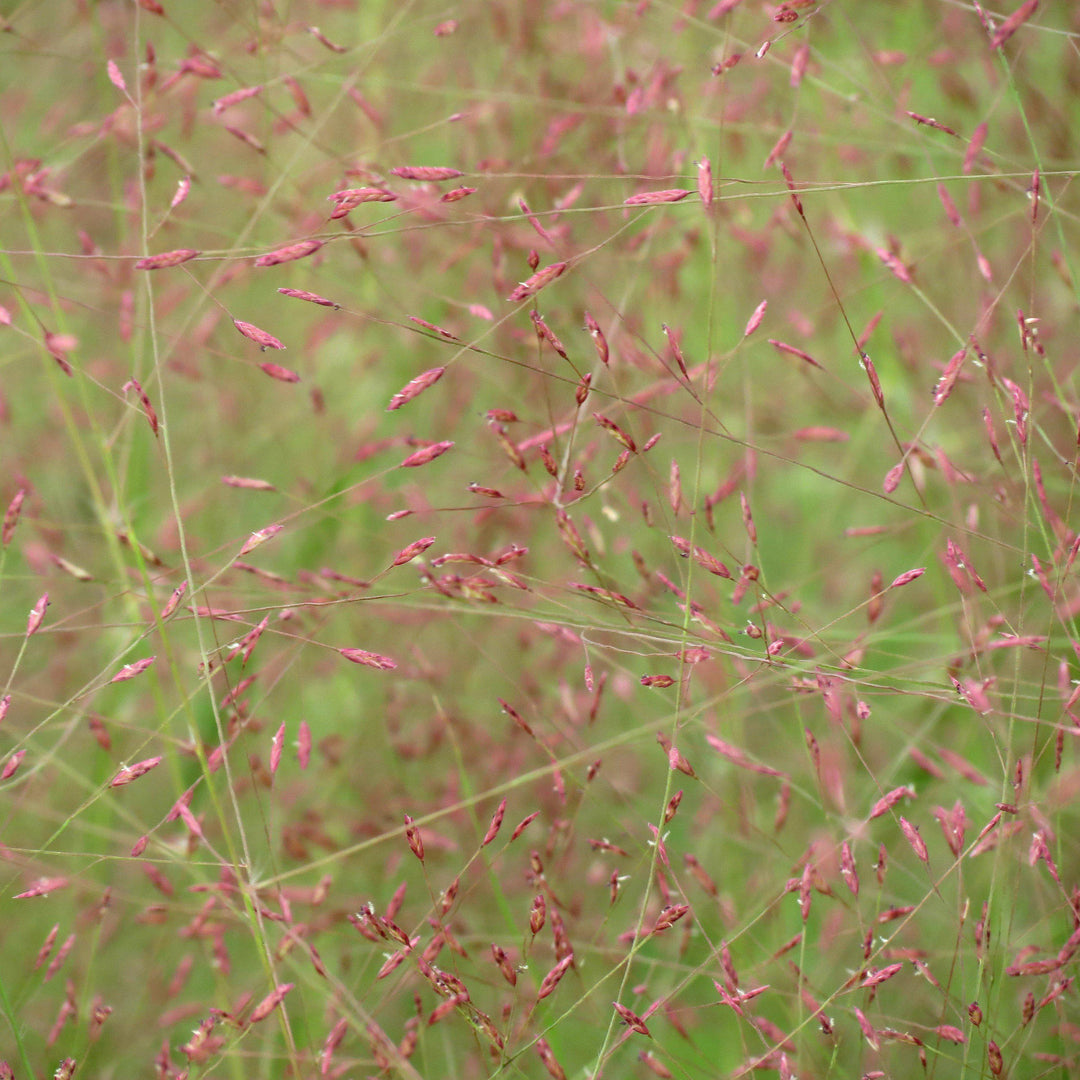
[(323, 40), (303, 744), (276, 371), (949, 206), (183, 190), (115, 76), (792, 189), (535, 283), (778, 150), (37, 614), (875, 977), (235, 98), (890, 799), (434, 328), (534, 221), (166, 259), (250, 483), (133, 384), (174, 600), (130, 671), (930, 122), (412, 835), (918, 845), (783, 346), (704, 182), (431, 173), (552, 979), (598, 338), (260, 537), (417, 547), (1013, 23), (269, 1003), (11, 515), (275, 746), (260, 337), (496, 824), (978, 137), (755, 319), (906, 577), (892, 478), (337, 1033), (300, 250), (457, 193), (42, 887), (949, 376), (651, 198), (349, 198), (369, 659), (310, 297), (426, 454), (9, 769), (893, 262), (133, 772), (59, 345)]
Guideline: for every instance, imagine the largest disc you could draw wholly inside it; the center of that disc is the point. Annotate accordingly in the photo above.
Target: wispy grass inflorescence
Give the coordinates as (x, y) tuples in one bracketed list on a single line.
[(636, 636)]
